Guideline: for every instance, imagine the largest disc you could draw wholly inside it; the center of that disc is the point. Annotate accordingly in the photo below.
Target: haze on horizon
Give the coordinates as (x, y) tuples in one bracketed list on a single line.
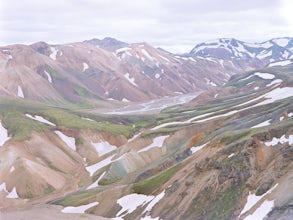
[(175, 25)]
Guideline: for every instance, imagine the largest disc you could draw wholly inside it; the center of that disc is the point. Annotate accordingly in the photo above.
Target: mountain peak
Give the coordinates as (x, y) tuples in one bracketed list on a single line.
[(108, 43)]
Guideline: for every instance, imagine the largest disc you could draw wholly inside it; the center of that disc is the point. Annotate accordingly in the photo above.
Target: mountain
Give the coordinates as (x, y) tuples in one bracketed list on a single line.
[(224, 155), (83, 73), (108, 43), (231, 49)]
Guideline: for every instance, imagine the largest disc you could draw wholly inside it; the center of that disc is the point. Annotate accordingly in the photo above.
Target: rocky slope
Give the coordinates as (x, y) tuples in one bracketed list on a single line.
[(228, 156), (92, 72)]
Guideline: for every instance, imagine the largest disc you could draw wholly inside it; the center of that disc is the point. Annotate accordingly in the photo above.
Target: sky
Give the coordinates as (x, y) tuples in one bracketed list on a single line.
[(174, 25)]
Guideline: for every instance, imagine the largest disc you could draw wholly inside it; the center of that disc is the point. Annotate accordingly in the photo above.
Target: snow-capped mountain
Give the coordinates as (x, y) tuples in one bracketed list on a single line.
[(230, 49)]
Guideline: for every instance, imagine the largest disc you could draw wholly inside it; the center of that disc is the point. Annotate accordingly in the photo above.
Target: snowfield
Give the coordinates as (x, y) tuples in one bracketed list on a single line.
[(20, 92), (3, 135), (79, 209), (54, 51), (263, 124), (157, 142), (93, 168), (130, 79), (69, 141), (39, 119), (103, 147), (131, 202), (85, 66), (48, 76), (197, 148), (281, 140), (264, 75)]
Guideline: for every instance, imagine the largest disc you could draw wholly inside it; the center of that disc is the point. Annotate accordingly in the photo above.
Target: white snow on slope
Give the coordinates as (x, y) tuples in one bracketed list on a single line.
[(40, 119), (20, 92), (272, 96), (218, 116), (280, 140), (3, 135), (282, 42), (130, 202), (3, 187), (150, 206), (157, 76), (103, 147), (96, 183), (93, 168), (157, 142), (261, 211), (85, 66), (54, 51), (147, 55), (280, 63), (48, 76), (197, 148), (290, 114), (12, 194), (79, 209), (130, 79), (70, 141), (252, 200), (123, 49), (264, 75), (11, 169), (276, 81), (263, 124)]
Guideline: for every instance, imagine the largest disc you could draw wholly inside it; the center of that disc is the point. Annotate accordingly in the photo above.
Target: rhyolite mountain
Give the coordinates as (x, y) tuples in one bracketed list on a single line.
[(95, 71), (227, 154)]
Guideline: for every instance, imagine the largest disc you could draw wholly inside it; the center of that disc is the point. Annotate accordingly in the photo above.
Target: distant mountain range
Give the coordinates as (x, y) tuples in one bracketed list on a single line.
[(228, 49), (108, 69)]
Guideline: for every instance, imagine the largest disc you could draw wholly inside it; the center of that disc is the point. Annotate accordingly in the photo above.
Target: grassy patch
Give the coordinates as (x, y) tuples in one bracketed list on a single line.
[(147, 186), (78, 198)]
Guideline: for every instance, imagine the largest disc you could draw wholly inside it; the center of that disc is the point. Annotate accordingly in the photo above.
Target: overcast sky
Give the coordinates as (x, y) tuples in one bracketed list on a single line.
[(175, 25)]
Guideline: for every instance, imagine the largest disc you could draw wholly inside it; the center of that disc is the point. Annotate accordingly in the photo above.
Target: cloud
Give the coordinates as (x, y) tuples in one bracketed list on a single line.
[(174, 24)]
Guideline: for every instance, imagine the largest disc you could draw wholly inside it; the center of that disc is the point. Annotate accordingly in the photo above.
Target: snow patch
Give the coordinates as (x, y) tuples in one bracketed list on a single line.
[(78, 209), (197, 148), (85, 66), (252, 200), (96, 183), (54, 51), (40, 119), (150, 206), (130, 79), (231, 155), (261, 211), (264, 75), (93, 168), (147, 55), (157, 76), (103, 147), (256, 88), (20, 92), (3, 187), (276, 81), (48, 76), (3, 135), (125, 100), (130, 202), (13, 194), (263, 124), (281, 140), (280, 63), (69, 141), (157, 142), (123, 49), (11, 169), (282, 42)]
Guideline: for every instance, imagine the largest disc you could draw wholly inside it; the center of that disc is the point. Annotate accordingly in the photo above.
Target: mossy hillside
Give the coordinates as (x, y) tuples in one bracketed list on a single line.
[(78, 198), (20, 127), (149, 185)]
